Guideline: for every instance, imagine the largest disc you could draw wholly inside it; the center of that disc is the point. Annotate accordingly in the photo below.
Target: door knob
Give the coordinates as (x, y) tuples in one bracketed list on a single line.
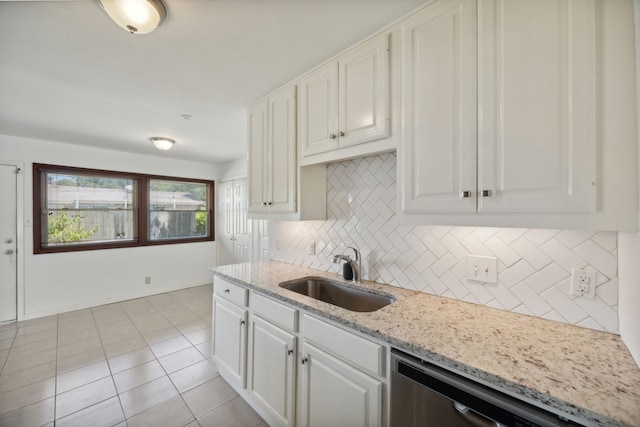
[(8, 251)]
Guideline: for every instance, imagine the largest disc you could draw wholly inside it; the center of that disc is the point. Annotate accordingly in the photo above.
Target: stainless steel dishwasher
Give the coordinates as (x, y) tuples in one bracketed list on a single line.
[(423, 394)]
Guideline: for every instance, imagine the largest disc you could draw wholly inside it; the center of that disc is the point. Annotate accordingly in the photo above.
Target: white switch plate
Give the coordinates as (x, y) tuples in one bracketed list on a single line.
[(583, 283), (482, 268)]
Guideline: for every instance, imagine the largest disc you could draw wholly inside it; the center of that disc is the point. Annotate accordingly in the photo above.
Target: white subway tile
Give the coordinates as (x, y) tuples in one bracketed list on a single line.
[(533, 264)]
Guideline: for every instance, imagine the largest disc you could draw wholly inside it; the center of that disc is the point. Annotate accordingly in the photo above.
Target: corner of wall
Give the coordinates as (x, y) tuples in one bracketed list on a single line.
[(629, 243)]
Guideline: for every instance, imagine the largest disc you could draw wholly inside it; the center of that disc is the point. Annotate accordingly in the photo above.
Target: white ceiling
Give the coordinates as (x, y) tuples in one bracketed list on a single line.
[(70, 74)]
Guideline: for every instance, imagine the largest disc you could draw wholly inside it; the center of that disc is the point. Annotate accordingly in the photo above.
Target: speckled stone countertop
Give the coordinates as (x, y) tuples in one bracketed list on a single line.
[(586, 374)]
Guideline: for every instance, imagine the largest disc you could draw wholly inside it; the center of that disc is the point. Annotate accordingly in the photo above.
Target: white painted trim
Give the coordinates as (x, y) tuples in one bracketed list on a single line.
[(19, 235)]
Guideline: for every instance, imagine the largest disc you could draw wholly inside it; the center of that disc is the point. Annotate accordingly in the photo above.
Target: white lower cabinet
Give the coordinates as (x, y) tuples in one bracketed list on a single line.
[(312, 374), (229, 344), (272, 369), (335, 393)]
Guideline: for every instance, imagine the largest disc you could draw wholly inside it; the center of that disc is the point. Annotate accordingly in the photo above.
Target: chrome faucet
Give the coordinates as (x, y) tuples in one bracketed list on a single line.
[(355, 264)]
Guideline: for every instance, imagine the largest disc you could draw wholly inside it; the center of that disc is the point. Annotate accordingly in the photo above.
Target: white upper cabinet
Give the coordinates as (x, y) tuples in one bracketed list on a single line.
[(272, 153), (503, 113), (537, 92), (439, 109), (319, 110), (346, 102), (258, 161)]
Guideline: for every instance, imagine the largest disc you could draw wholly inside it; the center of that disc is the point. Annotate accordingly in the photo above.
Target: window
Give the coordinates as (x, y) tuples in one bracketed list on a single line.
[(80, 209)]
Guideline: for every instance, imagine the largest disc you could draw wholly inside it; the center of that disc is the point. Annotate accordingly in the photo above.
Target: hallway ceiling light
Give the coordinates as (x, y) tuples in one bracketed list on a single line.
[(162, 143), (135, 16)]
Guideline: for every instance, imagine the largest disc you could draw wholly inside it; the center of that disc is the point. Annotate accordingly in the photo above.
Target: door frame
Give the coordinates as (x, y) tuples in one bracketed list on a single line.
[(20, 240)]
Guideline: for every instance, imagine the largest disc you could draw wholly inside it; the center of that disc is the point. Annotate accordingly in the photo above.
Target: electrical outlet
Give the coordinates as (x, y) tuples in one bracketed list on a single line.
[(147, 280), (583, 283), (482, 268), (312, 248)]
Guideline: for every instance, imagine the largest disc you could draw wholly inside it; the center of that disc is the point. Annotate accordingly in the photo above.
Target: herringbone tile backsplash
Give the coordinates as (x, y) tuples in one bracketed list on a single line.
[(534, 265)]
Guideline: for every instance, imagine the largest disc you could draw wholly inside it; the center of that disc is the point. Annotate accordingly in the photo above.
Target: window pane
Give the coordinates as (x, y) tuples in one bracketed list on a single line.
[(88, 209), (178, 209)]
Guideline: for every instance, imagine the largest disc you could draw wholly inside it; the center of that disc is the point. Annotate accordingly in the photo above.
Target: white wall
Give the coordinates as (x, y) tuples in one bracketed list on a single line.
[(233, 169), (55, 283), (629, 255)]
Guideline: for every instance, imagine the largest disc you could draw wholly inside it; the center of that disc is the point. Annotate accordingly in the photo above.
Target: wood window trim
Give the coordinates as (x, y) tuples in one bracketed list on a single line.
[(141, 219)]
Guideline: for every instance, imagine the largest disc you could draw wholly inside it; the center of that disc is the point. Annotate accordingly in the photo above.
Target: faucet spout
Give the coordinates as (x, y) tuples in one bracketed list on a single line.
[(354, 263)]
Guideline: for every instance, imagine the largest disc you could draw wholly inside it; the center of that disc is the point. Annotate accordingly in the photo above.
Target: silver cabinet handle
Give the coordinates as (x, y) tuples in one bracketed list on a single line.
[(242, 322), (486, 193), (264, 203), (7, 241), (289, 351), (270, 203), (226, 291), (304, 360), (8, 251), (466, 194), (332, 136), (341, 133)]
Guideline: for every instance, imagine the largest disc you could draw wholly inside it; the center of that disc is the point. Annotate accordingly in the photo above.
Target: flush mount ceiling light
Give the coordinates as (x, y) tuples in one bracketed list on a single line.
[(135, 16), (162, 143)]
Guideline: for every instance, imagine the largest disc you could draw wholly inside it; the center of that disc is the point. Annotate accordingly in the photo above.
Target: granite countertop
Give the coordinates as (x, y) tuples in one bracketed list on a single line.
[(587, 374)]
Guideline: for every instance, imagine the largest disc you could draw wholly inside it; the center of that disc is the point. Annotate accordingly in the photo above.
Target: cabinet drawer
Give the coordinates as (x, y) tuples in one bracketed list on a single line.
[(230, 291), (360, 352), (273, 311)]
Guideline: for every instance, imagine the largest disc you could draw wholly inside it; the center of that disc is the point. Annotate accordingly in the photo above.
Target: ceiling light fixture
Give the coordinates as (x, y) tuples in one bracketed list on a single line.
[(162, 143), (135, 16)]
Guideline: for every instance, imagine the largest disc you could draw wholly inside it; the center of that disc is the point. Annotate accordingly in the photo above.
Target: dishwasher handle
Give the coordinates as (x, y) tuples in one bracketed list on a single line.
[(473, 417)]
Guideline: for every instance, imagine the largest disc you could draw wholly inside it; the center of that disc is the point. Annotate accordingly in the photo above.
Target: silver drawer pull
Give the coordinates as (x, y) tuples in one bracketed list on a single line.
[(466, 194), (486, 193), (226, 291)]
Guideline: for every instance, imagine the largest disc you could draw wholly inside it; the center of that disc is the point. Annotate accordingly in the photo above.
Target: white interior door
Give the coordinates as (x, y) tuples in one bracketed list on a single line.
[(8, 246), (225, 223), (234, 229), (242, 227)]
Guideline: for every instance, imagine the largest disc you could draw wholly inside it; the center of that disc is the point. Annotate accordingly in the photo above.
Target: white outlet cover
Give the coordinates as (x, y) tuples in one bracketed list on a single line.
[(482, 268), (588, 277)]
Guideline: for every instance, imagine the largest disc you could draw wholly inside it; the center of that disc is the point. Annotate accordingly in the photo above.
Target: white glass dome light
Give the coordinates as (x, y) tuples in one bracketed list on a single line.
[(135, 16), (162, 143)]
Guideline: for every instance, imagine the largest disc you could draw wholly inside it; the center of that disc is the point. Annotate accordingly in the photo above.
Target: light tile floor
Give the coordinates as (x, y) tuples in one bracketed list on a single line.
[(142, 362)]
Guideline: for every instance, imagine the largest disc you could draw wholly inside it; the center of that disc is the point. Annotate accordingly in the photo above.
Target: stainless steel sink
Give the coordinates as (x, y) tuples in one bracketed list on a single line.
[(337, 294)]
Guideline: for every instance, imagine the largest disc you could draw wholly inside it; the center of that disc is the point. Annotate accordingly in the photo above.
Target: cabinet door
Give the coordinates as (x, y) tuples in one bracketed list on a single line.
[(364, 93), (271, 372), (438, 148), (258, 166), (537, 98), (230, 339), (318, 119), (282, 151), (336, 394)]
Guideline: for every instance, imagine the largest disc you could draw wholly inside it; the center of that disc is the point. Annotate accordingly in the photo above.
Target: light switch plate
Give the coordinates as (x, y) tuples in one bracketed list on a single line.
[(482, 268)]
